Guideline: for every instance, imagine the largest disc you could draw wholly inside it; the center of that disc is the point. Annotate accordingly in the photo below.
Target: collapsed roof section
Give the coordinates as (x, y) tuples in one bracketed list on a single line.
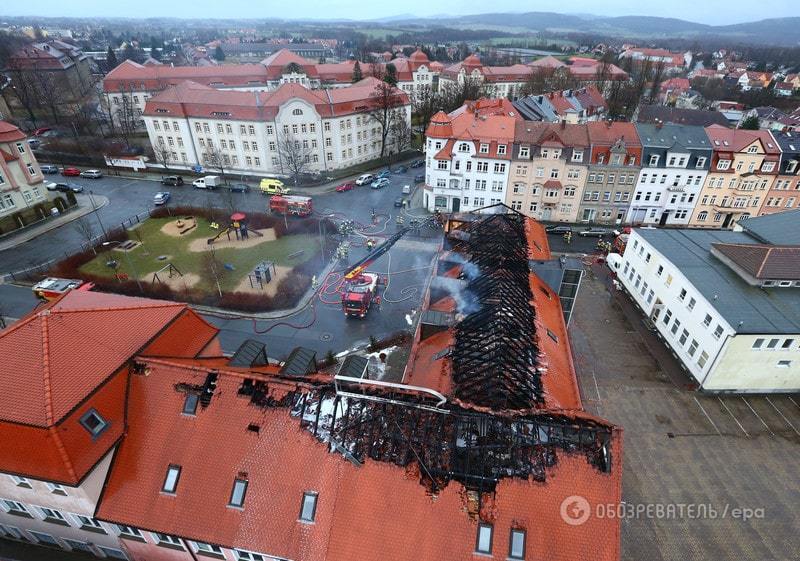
[(495, 355)]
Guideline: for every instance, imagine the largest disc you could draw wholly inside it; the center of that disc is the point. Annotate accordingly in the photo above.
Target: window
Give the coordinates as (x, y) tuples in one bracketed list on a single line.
[(75, 545), (692, 347), (701, 162), (208, 549), (723, 164), (653, 161), (21, 482), (53, 516), (691, 303), (484, 542), (93, 422), (484, 149), (516, 544), (238, 492), (130, 532), (15, 508), (171, 480), (89, 524), (248, 556), (577, 156), (46, 539), (675, 326), (682, 295), (718, 332), (111, 552), (683, 337), (190, 403), (501, 149), (758, 343), (787, 343), (165, 540), (524, 152), (707, 320), (308, 508)]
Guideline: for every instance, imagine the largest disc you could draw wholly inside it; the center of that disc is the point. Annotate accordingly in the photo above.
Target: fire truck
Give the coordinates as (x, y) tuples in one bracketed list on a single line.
[(291, 204), (361, 287), (52, 287)]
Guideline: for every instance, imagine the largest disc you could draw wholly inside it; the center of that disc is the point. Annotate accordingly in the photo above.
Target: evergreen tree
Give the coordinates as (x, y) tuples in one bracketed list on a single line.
[(749, 123), (219, 55), (357, 76), (111, 59), (391, 74)]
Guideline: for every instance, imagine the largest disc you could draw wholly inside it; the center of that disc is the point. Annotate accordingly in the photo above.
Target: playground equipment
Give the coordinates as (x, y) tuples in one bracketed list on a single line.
[(262, 274), (238, 227), (171, 270)]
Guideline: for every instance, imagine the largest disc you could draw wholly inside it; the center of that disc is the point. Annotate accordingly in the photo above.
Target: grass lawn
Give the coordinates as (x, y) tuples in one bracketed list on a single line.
[(144, 259)]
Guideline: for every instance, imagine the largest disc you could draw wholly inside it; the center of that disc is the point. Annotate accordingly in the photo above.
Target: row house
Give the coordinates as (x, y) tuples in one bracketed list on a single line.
[(744, 165), (468, 156), (579, 105), (193, 124), (21, 180), (62, 63), (785, 191), (614, 164), (128, 87), (675, 161), (548, 171)]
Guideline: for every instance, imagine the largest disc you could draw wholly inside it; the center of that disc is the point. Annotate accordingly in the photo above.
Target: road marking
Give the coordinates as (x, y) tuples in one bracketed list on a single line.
[(788, 422), (759, 416), (707, 415), (733, 416)]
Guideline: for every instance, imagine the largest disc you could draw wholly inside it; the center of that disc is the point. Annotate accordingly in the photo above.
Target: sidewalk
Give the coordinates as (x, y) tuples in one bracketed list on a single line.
[(23, 235)]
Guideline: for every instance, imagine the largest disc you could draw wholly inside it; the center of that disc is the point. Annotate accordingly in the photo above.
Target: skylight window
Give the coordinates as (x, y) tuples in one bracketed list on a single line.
[(238, 492), (516, 544), (171, 480), (190, 404), (93, 422), (308, 509), (484, 542)]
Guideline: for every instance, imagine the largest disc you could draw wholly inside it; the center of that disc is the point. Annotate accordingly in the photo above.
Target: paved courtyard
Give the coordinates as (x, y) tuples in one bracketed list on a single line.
[(685, 448)]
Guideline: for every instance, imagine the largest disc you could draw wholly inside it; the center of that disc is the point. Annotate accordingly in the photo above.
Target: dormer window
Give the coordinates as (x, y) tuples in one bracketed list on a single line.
[(616, 160), (484, 149), (524, 151), (723, 164), (701, 162), (501, 149), (577, 155), (631, 160), (463, 147), (601, 158), (171, 479), (791, 166), (297, 112), (653, 161), (752, 149), (93, 422), (768, 167)]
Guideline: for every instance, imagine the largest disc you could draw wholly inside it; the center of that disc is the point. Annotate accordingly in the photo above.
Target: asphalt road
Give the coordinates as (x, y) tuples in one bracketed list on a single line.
[(321, 326)]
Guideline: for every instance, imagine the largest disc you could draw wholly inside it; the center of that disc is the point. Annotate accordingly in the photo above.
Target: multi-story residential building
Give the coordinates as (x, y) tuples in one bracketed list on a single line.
[(128, 87), (63, 412), (468, 155), (195, 124), (672, 62), (57, 71), (548, 170), (675, 160), (23, 196), (785, 191), (744, 165), (614, 164), (725, 303), (305, 474), (573, 106)]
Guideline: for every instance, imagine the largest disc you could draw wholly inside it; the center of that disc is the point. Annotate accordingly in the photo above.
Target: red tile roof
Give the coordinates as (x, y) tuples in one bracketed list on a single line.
[(726, 140), (10, 133), (56, 356), (485, 120)]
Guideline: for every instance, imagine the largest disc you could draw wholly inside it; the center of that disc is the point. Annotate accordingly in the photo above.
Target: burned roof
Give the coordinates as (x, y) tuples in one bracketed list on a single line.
[(495, 355)]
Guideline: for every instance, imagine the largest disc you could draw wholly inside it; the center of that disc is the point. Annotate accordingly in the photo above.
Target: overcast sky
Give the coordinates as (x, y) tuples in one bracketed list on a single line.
[(709, 11)]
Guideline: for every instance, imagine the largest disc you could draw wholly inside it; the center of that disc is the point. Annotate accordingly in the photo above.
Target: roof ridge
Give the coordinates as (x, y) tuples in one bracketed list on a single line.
[(62, 451), (167, 304), (48, 396)]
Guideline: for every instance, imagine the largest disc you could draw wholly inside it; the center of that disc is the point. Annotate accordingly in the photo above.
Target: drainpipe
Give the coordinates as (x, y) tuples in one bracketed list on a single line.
[(714, 362)]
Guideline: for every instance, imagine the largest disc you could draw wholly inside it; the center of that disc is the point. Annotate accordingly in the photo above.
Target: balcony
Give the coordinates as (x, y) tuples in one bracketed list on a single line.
[(676, 189)]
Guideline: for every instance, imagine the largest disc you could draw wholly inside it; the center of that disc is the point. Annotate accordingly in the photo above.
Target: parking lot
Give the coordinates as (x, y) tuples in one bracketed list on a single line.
[(725, 452)]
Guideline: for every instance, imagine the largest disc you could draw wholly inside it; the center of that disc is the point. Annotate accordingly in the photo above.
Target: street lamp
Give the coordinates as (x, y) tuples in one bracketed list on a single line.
[(130, 264), (94, 210)]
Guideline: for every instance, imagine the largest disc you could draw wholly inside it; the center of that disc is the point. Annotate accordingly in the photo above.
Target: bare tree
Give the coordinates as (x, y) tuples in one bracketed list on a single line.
[(211, 269), (84, 227), (127, 113), (50, 91), (400, 132), (25, 91), (384, 100), (454, 95), (425, 103), (163, 155), (657, 78), (214, 158), (294, 155)]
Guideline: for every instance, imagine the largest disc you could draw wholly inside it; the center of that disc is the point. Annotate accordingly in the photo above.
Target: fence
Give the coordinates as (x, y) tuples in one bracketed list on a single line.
[(36, 273)]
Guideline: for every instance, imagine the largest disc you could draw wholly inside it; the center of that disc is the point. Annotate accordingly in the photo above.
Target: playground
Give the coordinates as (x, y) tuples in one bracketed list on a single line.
[(188, 252)]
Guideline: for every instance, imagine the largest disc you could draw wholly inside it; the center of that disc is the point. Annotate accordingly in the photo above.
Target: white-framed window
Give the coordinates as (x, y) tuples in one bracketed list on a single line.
[(308, 507), (21, 482), (701, 162), (718, 332), (201, 547), (653, 160), (484, 148), (577, 155), (89, 524), (52, 515), (723, 164), (129, 532), (167, 540), (501, 149), (112, 553), (15, 507), (43, 538), (524, 152), (242, 555)]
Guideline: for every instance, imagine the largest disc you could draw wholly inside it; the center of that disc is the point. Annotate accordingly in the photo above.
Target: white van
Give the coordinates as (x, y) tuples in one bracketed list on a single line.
[(207, 182)]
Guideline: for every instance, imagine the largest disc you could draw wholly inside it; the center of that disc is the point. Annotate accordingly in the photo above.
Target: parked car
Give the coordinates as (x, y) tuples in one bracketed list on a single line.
[(345, 187), (364, 179), (173, 180), (34, 143), (52, 186), (400, 169), (594, 232), (161, 197), (383, 174), (92, 174), (419, 178), (65, 187), (208, 182), (75, 188), (71, 172), (398, 201), (239, 187), (406, 189), (40, 131), (48, 168), (558, 229), (380, 183), (417, 163)]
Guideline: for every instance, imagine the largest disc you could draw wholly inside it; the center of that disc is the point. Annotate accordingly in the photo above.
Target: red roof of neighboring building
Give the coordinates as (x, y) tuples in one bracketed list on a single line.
[(548, 61), (724, 139), (487, 120), (10, 133)]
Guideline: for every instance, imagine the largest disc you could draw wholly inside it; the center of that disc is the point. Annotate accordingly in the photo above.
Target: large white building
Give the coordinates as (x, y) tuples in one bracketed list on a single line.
[(128, 87), (21, 181), (675, 161), (468, 156), (726, 303), (191, 124)]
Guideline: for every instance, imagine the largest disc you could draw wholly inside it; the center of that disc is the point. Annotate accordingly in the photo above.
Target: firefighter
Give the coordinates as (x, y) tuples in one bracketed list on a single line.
[(370, 244), (568, 237), (373, 216), (399, 220)]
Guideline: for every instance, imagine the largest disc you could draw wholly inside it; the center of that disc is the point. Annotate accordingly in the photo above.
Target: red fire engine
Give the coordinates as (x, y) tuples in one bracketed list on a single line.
[(291, 204), (52, 287)]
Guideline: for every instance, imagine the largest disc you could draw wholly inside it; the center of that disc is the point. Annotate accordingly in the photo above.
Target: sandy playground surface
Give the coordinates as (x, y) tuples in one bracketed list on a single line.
[(177, 282), (222, 242), (269, 289), (172, 229)]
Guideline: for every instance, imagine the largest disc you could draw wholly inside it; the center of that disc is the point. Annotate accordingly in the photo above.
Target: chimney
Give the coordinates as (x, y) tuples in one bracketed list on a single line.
[(563, 123)]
